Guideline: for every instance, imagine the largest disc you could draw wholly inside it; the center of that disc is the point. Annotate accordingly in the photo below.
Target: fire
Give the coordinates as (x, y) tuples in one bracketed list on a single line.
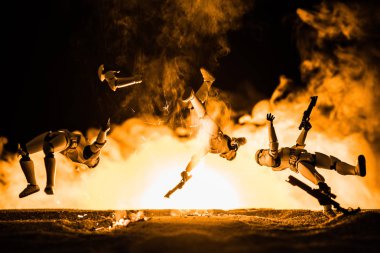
[(139, 178), (208, 189)]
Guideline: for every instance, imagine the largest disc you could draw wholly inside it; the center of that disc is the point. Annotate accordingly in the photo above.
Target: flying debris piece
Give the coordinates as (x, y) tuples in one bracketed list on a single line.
[(115, 82), (178, 186), (322, 198)]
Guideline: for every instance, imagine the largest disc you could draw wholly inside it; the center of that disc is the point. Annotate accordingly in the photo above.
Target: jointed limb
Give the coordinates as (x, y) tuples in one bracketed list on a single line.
[(273, 142)]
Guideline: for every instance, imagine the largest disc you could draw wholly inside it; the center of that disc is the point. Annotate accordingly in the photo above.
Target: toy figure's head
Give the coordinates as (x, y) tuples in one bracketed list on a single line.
[(263, 158)]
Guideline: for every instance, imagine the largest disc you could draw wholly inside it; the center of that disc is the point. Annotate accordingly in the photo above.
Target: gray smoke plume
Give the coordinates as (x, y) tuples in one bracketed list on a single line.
[(167, 42), (340, 62)]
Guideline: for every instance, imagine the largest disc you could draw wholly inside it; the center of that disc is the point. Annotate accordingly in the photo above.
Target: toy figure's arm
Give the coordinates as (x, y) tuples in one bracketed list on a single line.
[(195, 159), (302, 137), (185, 174), (193, 163), (101, 138), (273, 142)]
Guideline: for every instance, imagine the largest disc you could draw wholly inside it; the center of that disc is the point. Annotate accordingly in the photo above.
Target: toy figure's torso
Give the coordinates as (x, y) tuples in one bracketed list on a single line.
[(75, 150), (217, 141), (289, 157)]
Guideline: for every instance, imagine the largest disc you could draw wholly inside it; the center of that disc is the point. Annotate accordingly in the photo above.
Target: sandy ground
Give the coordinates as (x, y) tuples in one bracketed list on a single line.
[(248, 230)]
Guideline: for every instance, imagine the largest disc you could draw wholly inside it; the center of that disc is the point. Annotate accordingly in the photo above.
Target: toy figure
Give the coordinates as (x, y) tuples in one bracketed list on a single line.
[(300, 161), (218, 142), (73, 145), (115, 82)]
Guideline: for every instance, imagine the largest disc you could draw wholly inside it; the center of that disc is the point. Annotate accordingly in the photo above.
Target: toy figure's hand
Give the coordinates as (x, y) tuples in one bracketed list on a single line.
[(324, 188), (270, 117), (107, 126), (307, 126), (185, 176)]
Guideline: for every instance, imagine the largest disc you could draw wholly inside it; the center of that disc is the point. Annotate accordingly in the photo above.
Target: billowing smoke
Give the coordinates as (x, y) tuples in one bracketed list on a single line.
[(341, 64), (168, 42)]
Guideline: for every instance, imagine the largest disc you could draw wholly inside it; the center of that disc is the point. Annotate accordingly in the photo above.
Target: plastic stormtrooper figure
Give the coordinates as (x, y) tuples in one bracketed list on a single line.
[(71, 144), (219, 143), (300, 161)]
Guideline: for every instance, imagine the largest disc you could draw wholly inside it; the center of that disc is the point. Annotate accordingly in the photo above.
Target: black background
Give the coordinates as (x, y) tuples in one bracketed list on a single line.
[(51, 52)]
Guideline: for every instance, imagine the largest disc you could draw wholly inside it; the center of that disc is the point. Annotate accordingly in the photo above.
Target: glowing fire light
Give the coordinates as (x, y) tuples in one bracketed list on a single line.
[(141, 179), (207, 189)]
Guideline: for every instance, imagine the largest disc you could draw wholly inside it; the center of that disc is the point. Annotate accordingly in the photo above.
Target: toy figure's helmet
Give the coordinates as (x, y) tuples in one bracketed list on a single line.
[(233, 146)]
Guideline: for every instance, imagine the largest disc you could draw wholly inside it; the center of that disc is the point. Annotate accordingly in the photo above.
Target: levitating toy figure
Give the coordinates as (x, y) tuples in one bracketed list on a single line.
[(71, 144), (115, 82), (300, 161), (218, 142)]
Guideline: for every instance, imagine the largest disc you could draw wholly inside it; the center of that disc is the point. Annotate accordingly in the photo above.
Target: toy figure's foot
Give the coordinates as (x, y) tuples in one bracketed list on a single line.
[(208, 80), (30, 189), (188, 94), (207, 77), (360, 168), (49, 190), (328, 211)]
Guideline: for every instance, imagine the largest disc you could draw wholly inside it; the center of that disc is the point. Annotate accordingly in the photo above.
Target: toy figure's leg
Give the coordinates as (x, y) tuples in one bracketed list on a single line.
[(333, 163), (208, 79), (54, 142), (207, 123), (328, 210), (27, 167), (198, 106), (27, 164), (50, 174), (36, 144), (308, 171)]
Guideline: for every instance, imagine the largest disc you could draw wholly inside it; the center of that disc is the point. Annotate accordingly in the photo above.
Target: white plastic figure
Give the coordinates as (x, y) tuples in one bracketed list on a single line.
[(218, 142), (300, 161), (71, 144), (115, 82)]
